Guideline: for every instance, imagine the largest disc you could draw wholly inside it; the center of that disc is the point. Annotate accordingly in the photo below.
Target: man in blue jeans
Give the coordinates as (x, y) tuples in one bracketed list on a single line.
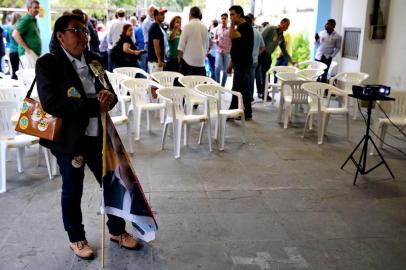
[(223, 41)]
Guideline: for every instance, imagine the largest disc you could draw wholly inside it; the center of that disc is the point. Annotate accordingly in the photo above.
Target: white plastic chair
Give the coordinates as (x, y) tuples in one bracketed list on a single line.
[(396, 111), (292, 94), (312, 64), (175, 99), (345, 81), (140, 93), (332, 70), (269, 80), (190, 82), (321, 106), (10, 139), (166, 78), (124, 99), (26, 77), (310, 74), (215, 94), (131, 72)]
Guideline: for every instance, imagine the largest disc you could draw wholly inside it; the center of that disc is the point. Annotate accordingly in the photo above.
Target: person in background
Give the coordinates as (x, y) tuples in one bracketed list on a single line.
[(2, 49), (146, 25), (211, 56), (259, 47), (125, 53), (193, 45), (14, 59), (156, 44), (273, 37), (94, 41), (174, 34), (68, 89), (242, 38), (223, 41), (139, 43), (27, 35), (113, 34), (328, 44)]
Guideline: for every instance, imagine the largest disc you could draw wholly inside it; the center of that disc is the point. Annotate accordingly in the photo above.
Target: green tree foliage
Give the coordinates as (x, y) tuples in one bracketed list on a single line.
[(301, 48), (177, 5)]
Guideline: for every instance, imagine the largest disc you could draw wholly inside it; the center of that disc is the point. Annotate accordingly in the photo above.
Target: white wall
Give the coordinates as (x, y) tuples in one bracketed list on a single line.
[(354, 16), (393, 55)]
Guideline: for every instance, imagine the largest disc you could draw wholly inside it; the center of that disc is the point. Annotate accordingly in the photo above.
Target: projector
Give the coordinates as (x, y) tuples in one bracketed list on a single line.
[(370, 91)]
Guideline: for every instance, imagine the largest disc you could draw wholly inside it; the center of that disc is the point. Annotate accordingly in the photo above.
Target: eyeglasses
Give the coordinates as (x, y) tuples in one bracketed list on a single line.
[(77, 30)]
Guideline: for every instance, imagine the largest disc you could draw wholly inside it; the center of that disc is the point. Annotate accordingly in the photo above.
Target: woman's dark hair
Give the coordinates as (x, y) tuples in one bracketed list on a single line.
[(172, 23), (60, 25), (125, 28)]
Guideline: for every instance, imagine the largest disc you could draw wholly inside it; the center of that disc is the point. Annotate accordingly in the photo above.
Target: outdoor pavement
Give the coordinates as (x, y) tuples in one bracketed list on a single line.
[(276, 202)]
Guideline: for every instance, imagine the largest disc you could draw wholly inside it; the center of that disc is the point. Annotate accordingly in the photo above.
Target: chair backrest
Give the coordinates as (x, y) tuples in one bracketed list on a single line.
[(13, 94), (345, 80), (26, 76), (289, 76), (8, 110), (398, 107), (139, 90), (166, 78), (131, 71), (10, 83), (310, 73), (192, 80), (313, 64), (115, 80), (215, 94), (278, 69), (176, 99), (316, 92), (295, 90)]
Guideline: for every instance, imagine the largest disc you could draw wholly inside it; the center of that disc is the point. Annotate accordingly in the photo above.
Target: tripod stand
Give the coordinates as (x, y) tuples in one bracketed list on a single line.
[(361, 165)]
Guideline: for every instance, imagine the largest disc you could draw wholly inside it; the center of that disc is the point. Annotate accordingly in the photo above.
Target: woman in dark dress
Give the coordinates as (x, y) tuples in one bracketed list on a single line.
[(125, 53)]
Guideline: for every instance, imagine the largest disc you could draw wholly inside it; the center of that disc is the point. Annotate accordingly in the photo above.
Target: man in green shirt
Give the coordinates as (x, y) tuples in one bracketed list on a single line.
[(273, 37), (27, 36)]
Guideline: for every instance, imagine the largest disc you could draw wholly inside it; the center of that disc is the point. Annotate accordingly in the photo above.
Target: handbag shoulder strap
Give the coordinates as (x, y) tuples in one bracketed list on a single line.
[(31, 88)]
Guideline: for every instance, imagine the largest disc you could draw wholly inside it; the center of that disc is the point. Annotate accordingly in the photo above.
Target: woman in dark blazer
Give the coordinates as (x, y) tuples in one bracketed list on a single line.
[(69, 89)]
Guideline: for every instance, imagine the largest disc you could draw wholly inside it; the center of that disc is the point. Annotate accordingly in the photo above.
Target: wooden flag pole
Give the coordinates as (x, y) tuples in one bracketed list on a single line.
[(104, 173)]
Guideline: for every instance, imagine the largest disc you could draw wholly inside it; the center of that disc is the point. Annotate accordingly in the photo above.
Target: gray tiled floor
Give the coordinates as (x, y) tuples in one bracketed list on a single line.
[(277, 202)]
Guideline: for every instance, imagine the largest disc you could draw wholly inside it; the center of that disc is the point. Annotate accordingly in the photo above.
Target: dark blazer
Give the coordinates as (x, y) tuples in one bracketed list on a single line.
[(56, 78)]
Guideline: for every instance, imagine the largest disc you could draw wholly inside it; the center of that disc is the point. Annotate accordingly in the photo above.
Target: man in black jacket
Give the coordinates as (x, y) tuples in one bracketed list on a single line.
[(69, 88)]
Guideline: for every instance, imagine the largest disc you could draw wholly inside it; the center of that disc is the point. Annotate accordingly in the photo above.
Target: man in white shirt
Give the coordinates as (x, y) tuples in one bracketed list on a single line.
[(328, 44), (193, 45), (149, 20), (114, 32)]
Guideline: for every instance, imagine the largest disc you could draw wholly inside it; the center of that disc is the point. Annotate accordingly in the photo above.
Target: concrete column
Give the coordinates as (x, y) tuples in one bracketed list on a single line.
[(44, 24)]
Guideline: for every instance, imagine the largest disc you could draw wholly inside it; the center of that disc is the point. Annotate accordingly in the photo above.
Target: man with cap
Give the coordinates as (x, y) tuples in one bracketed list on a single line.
[(156, 42)]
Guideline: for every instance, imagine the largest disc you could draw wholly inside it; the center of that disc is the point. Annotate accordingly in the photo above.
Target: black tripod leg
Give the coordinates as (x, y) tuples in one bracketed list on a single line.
[(383, 160), (352, 153), (364, 148)]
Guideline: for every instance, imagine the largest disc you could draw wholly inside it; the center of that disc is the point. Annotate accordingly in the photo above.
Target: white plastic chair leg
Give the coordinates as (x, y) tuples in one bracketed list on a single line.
[(209, 134), (305, 125), (162, 116), (222, 132), (47, 162), (138, 125), (201, 133), (54, 164), (186, 134), (177, 138), (164, 131), (20, 156), (148, 123), (216, 129), (274, 89), (321, 126), (3, 149), (286, 120), (281, 109), (311, 122), (130, 139)]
